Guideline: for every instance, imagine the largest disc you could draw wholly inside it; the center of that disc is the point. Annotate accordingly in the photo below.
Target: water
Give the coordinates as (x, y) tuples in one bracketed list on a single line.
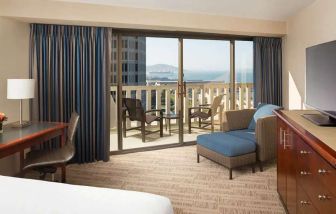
[(200, 76)]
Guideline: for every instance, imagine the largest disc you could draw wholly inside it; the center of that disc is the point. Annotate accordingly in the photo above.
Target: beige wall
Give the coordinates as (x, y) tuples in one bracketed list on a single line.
[(14, 59), (102, 15), (313, 25)]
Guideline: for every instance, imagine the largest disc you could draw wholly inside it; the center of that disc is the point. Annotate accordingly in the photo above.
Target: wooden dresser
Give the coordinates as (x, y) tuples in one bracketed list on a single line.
[(306, 164)]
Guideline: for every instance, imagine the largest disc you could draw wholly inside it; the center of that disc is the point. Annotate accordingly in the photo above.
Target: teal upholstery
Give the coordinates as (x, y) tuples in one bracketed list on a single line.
[(246, 134), (262, 111), (226, 144)]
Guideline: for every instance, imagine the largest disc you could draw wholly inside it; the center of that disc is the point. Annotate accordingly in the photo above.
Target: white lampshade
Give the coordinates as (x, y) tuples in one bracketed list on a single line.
[(20, 88)]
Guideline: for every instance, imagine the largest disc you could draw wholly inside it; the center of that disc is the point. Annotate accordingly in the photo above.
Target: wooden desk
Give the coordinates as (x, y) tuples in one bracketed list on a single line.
[(14, 140)]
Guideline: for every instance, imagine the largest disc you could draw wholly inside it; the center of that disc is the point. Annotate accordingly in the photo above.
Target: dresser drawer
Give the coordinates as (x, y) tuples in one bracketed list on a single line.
[(318, 194), (305, 153), (316, 178), (304, 204), (325, 173), (312, 163)]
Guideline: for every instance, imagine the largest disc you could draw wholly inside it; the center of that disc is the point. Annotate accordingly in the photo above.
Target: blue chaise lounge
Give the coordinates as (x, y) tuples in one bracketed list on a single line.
[(249, 136)]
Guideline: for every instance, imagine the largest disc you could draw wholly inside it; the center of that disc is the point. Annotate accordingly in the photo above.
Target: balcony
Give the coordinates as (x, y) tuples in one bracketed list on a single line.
[(164, 96)]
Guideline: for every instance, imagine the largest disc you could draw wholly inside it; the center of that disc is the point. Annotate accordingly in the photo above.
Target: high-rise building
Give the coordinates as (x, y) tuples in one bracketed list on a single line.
[(133, 60)]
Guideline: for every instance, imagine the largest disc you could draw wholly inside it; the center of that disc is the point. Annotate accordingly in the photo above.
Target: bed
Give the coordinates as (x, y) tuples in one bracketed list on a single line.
[(20, 196)]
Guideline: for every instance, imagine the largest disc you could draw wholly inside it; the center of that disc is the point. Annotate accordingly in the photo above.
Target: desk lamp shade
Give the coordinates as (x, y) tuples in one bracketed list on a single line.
[(19, 89)]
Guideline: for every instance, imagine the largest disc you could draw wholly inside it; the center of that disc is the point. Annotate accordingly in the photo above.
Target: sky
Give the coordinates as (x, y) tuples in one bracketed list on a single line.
[(199, 55)]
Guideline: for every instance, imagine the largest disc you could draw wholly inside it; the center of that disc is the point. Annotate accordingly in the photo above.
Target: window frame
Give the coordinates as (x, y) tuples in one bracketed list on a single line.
[(120, 33)]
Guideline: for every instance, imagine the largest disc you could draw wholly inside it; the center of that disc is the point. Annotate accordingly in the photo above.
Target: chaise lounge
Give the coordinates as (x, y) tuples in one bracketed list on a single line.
[(249, 137)]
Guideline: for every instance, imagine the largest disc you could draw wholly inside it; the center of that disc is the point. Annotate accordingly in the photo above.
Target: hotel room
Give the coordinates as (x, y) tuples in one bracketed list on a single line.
[(180, 106)]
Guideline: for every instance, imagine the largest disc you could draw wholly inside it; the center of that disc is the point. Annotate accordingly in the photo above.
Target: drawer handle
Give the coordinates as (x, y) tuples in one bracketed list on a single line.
[(323, 197), (322, 171), (304, 152), (304, 173), (304, 202)]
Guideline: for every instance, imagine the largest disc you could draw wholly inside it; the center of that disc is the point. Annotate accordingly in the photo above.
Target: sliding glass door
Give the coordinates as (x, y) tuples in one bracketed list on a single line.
[(244, 74), (206, 68), (168, 90), (149, 94)]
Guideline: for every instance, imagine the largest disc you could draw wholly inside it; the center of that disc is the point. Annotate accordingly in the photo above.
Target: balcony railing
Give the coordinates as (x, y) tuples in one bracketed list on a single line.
[(164, 96)]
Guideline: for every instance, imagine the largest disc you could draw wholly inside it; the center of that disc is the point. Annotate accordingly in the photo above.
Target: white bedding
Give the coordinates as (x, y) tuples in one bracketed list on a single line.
[(21, 196)]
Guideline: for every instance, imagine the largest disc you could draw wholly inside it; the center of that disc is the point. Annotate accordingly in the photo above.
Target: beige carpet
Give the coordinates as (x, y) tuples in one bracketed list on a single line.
[(191, 187)]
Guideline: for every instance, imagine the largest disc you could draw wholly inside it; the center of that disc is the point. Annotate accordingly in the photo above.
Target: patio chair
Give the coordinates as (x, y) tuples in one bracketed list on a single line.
[(205, 112), (136, 113)]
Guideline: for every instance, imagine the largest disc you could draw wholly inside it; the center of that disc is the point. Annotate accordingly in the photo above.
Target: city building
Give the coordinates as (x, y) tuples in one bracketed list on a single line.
[(133, 60)]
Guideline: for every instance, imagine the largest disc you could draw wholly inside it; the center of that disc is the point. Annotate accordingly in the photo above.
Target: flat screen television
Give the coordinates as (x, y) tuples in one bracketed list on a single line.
[(321, 83)]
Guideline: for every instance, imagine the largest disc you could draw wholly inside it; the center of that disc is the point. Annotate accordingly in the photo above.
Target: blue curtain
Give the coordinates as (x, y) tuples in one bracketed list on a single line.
[(71, 65), (268, 70)]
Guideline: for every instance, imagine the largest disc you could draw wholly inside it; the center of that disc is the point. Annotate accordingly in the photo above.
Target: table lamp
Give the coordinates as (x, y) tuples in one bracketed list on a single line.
[(19, 89)]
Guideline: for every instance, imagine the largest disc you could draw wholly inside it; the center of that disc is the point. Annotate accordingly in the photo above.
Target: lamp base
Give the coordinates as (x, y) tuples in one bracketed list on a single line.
[(20, 125)]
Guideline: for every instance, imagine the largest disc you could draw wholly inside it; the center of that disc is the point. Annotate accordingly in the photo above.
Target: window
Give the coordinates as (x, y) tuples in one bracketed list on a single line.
[(124, 67), (114, 42), (125, 55), (125, 43)]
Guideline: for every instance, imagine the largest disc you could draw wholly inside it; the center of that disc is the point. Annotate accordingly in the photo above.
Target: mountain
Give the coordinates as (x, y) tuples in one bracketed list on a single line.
[(166, 72), (162, 72), (161, 68)]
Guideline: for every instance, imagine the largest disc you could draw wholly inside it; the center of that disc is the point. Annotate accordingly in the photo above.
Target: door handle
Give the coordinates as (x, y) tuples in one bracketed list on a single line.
[(281, 135), (178, 89), (285, 140), (181, 89)]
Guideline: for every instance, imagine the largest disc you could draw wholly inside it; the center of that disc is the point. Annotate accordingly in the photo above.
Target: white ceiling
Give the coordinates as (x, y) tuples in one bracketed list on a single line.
[(257, 9)]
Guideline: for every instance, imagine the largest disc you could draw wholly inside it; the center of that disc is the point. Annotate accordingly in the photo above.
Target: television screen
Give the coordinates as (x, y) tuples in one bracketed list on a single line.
[(321, 78)]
